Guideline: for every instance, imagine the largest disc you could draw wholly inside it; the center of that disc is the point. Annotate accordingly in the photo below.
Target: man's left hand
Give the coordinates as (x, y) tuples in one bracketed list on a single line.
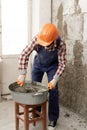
[(52, 84)]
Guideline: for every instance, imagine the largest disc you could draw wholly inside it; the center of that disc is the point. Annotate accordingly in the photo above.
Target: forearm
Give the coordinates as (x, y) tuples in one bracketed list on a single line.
[(59, 72)]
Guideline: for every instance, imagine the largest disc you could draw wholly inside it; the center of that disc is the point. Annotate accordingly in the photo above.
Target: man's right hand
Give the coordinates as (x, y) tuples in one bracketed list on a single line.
[(21, 79)]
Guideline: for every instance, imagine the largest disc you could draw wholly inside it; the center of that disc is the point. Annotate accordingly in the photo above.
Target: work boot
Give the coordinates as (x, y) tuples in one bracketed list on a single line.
[(52, 125)]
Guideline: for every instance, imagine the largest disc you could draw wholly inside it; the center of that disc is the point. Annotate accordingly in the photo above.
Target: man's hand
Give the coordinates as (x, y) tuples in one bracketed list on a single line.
[(52, 84), (21, 79)]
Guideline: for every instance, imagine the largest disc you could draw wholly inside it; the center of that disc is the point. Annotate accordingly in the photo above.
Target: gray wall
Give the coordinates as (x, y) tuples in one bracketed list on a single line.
[(71, 19), (0, 31), (0, 47)]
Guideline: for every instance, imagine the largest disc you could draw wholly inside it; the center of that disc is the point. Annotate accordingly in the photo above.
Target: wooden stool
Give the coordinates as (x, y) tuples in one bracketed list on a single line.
[(27, 110)]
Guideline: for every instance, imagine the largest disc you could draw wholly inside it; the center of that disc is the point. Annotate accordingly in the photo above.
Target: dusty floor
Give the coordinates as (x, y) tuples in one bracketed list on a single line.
[(67, 121)]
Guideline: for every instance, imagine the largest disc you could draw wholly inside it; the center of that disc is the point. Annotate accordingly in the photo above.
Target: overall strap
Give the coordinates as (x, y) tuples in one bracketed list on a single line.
[(58, 40)]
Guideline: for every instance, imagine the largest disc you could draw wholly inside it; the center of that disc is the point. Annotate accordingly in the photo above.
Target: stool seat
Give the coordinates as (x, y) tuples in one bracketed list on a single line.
[(30, 115)]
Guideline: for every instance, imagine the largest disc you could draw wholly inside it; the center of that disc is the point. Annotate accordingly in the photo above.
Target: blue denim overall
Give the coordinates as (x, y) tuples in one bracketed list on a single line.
[(47, 61)]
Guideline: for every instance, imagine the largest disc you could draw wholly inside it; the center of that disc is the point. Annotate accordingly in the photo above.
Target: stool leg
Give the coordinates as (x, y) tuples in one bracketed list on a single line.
[(16, 113), (26, 118), (44, 121), (33, 115)]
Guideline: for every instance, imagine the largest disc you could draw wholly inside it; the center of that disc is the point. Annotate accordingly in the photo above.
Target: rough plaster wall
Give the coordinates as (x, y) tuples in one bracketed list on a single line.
[(71, 19), (0, 30), (0, 49)]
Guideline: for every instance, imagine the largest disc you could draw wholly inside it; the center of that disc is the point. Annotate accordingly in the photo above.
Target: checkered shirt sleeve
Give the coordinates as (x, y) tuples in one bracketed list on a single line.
[(62, 60), (24, 56)]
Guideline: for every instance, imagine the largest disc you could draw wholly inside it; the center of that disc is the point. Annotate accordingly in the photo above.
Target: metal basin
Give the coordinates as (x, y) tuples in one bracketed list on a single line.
[(31, 93)]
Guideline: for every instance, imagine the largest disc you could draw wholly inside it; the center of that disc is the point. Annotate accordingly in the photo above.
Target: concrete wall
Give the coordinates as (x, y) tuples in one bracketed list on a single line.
[(71, 19), (0, 48)]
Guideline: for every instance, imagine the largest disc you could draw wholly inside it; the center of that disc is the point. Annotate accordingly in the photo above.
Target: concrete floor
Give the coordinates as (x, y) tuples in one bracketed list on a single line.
[(67, 121)]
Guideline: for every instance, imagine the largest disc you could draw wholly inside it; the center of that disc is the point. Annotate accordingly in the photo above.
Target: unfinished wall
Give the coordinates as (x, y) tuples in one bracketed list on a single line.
[(0, 29), (71, 19)]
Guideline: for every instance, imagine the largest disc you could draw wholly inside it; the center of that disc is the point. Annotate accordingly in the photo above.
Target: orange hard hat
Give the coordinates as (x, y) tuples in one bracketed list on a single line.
[(47, 34)]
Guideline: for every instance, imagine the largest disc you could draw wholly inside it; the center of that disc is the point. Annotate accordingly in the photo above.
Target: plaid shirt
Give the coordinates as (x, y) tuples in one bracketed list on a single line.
[(24, 57)]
